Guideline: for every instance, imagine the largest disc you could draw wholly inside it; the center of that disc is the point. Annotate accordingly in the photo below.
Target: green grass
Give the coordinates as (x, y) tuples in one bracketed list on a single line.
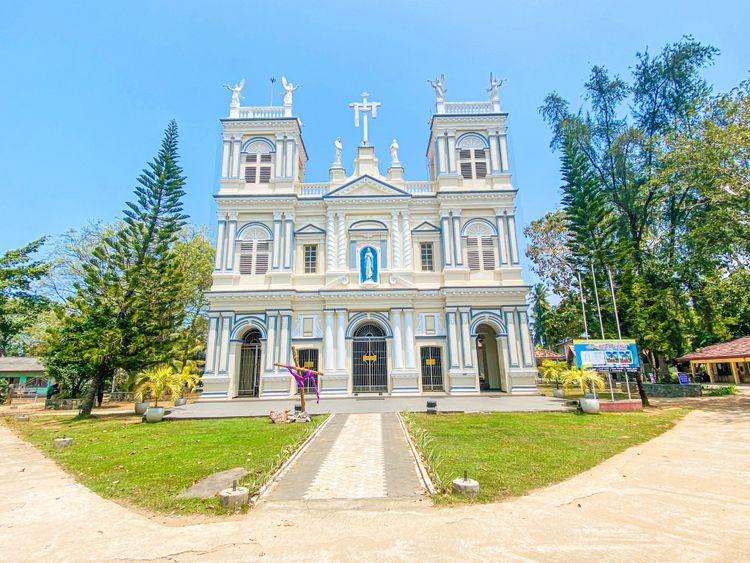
[(511, 454), (149, 464)]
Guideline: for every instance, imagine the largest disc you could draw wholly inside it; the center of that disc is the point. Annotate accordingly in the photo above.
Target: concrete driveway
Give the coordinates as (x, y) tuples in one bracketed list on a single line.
[(682, 496)]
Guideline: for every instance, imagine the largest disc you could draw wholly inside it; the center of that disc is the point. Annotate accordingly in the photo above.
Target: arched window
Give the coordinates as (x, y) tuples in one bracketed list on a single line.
[(255, 249), (258, 161), (480, 245), (472, 157)]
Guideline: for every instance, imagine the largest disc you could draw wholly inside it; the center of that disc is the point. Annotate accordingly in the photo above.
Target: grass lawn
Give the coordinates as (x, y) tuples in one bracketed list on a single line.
[(511, 454), (147, 465)]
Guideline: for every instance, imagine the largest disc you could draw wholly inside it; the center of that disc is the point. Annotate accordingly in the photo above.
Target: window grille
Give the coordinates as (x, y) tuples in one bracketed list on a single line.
[(480, 253), (254, 253), (258, 168)]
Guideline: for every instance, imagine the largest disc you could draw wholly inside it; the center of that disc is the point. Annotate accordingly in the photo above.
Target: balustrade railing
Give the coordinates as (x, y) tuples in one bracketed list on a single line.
[(264, 112), (418, 187), (314, 190), (459, 108)]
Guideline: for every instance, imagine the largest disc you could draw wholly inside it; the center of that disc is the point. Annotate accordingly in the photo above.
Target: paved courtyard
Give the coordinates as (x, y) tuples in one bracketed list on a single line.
[(682, 496), (496, 402)]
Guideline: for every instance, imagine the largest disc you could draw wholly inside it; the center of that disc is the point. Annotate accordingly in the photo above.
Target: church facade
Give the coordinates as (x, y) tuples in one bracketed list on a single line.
[(387, 286)]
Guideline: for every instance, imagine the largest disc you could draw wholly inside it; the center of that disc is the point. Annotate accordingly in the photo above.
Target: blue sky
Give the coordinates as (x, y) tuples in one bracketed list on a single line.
[(88, 88)]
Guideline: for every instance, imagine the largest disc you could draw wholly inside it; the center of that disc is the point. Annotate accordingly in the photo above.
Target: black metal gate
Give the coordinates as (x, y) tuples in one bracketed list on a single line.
[(432, 369), (250, 365), (369, 360), (308, 358)]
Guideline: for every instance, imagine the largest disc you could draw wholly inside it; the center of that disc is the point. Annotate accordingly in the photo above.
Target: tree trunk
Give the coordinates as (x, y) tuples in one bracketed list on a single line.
[(93, 391), (641, 390)]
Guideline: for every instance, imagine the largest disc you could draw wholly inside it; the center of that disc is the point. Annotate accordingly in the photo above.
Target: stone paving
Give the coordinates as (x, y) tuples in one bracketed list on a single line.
[(356, 456)]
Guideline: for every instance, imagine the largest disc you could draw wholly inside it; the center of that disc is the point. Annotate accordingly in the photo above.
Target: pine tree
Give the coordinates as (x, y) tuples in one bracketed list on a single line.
[(127, 305)]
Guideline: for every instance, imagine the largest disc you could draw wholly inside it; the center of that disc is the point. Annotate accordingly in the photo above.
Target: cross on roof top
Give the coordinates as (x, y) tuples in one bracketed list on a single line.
[(365, 107)]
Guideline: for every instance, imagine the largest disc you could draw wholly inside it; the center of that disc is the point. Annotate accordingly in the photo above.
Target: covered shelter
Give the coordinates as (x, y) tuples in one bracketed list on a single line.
[(727, 362), (541, 354), (26, 374)]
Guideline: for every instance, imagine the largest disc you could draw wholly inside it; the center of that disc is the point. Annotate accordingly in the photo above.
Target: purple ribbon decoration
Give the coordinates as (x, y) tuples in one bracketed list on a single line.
[(300, 379)]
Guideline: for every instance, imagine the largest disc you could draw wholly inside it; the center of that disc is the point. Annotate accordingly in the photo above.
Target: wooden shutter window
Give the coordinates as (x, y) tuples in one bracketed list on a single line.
[(488, 254), (246, 257), (472, 253), (261, 257), (250, 174)]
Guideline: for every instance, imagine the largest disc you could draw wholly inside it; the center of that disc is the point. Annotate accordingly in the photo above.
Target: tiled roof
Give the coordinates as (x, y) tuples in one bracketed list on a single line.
[(20, 364), (544, 354), (739, 348)]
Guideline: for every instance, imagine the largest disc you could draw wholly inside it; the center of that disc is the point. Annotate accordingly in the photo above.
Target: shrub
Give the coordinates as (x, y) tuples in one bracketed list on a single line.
[(719, 391)]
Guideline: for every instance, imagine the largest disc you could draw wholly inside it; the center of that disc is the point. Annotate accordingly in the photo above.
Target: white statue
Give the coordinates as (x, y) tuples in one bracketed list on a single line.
[(369, 271), (339, 147), (289, 88), (440, 89), (494, 88), (394, 152), (235, 90)]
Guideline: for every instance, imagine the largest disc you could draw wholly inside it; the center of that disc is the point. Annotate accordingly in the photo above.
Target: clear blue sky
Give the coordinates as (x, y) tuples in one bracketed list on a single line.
[(88, 88)]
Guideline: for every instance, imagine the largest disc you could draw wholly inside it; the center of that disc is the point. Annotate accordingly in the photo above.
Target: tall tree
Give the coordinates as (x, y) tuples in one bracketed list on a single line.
[(126, 310), (19, 303), (541, 310)]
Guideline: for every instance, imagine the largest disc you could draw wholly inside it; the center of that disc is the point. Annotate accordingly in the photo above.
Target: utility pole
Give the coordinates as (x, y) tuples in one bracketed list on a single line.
[(583, 307), (596, 294), (614, 302)]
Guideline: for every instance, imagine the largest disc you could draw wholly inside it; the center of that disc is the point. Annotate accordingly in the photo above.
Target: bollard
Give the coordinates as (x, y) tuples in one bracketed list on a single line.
[(234, 497), (466, 486)]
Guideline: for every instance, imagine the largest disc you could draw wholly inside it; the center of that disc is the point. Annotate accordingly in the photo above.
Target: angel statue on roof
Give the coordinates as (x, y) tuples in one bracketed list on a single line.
[(235, 90), (289, 89), (439, 85)]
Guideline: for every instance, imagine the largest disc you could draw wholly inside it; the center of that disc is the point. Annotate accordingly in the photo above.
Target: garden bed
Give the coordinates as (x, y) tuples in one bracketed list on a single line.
[(511, 454), (148, 465)]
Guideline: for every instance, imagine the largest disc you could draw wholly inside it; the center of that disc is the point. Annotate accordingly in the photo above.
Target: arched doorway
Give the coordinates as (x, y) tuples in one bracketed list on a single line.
[(369, 360), (250, 365), (490, 360)]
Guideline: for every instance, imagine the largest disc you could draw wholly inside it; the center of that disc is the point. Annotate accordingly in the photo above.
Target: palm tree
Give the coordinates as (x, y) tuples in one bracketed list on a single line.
[(158, 381), (553, 371), (583, 377)]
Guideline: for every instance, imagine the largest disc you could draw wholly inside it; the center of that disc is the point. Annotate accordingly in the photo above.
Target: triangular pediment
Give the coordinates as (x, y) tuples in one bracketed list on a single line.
[(310, 229), (426, 227), (367, 186)]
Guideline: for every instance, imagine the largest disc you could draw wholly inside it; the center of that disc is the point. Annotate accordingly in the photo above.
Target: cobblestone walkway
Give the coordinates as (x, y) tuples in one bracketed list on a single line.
[(356, 456)]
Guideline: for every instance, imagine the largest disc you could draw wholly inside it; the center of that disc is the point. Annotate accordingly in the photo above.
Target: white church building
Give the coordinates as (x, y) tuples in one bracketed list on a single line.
[(387, 286)]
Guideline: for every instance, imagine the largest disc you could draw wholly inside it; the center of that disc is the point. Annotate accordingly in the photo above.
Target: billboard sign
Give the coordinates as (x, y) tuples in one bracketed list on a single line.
[(607, 355)]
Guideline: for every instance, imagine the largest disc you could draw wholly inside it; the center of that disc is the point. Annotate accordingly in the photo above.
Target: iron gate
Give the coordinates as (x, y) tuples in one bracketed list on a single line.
[(432, 369), (308, 358), (369, 360), (250, 365)]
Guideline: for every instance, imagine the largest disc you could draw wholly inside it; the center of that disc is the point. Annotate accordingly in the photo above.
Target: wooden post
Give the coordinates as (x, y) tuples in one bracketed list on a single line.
[(692, 369), (735, 372), (302, 403), (711, 371)]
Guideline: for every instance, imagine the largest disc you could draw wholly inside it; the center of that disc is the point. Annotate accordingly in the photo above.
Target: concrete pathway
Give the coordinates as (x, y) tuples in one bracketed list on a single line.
[(356, 456), (496, 402), (683, 496)]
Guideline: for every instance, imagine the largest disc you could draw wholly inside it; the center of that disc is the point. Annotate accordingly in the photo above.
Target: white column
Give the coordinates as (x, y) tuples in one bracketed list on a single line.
[(523, 329), (223, 347), (452, 152), (285, 338), (341, 253), (331, 243), (513, 340), (289, 165), (458, 255), (237, 147), (468, 353), (406, 240), (398, 341), (278, 171), (502, 237), (288, 240), (512, 239), (340, 339), (229, 246), (276, 259), (409, 343), (453, 339), (226, 149), (396, 241), (442, 153), (504, 153), (219, 257), (213, 329), (271, 319), (446, 239), (328, 359), (495, 161)]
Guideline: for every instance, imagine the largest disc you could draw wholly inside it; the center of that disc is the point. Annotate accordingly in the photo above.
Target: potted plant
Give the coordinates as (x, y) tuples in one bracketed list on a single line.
[(586, 379), (156, 382), (140, 405), (187, 373), (553, 371)]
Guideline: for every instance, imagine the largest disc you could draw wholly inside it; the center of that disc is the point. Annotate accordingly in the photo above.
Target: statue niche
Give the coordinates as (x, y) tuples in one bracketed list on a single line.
[(368, 265)]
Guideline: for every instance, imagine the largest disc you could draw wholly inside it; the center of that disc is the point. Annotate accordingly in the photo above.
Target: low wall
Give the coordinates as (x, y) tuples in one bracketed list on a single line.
[(672, 390), (620, 406)]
